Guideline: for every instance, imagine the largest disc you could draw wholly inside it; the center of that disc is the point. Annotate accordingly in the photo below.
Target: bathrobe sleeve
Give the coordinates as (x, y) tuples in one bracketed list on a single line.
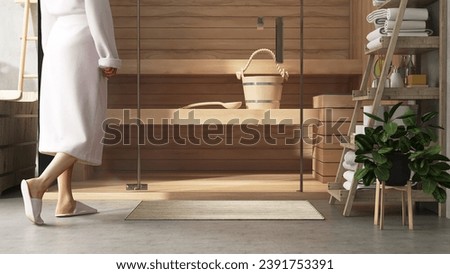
[(47, 21), (100, 22)]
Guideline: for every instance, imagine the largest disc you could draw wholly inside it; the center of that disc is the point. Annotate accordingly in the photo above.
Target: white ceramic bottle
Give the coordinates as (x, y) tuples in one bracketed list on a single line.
[(397, 81)]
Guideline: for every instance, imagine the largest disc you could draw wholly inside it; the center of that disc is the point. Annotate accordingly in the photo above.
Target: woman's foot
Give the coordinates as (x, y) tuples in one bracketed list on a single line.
[(65, 207), (35, 187), (33, 206), (73, 209)]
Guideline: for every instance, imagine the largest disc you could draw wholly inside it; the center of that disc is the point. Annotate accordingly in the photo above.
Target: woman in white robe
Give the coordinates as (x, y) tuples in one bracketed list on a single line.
[(79, 55)]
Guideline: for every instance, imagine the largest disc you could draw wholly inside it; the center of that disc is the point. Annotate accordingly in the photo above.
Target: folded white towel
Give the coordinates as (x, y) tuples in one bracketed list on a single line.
[(377, 14), (410, 14), (349, 166), (377, 33), (380, 32), (374, 44), (415, 25), (350, 157), (377, 3), (347, 185), (348, 175), (391, 14)]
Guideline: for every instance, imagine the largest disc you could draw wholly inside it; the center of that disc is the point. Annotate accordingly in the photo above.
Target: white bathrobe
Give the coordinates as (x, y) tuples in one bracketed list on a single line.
[(78, 40)]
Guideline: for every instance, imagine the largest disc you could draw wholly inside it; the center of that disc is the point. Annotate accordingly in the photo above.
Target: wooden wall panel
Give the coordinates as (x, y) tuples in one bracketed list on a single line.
[(176, 91), (192, 29)]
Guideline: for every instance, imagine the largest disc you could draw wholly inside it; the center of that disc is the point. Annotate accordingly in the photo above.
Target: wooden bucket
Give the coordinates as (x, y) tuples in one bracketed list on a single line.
[(262, 91)]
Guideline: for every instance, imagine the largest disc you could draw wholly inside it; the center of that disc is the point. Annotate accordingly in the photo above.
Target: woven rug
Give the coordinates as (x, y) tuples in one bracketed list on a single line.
[(225, 210)]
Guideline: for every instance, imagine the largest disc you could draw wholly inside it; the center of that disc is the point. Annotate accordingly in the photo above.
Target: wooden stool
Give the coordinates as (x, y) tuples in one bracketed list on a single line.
[(406, 192)]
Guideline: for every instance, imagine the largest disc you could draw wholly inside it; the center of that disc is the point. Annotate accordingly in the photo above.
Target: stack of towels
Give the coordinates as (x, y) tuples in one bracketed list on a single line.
[(350, 165), (377, 3), (414, 24)]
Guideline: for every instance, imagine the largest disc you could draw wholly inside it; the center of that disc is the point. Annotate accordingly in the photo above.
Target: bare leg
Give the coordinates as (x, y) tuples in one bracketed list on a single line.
[(61, 162), (66, 203)]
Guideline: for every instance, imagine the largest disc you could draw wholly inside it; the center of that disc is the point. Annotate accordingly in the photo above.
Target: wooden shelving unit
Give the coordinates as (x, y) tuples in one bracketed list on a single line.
[(407, 45), (411, 3), (390, 46), (399, 94)]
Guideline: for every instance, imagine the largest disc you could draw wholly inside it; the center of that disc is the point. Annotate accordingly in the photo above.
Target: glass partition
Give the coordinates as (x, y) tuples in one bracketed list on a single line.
[(179, 53)]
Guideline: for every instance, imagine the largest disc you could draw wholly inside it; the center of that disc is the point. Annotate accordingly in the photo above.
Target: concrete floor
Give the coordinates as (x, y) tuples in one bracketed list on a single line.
[(108, 232)]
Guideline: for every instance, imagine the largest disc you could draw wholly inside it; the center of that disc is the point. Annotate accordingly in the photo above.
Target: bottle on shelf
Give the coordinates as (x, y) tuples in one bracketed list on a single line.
[(396, 79), (402, 68), (410, 68)]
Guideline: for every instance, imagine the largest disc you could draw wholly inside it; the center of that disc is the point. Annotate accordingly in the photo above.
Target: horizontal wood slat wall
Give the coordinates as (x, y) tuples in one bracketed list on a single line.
[(218, 30), (192, 29), (18, 142), (176, 91)]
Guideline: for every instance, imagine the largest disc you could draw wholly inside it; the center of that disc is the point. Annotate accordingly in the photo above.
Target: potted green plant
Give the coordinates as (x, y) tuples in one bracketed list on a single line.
[(387, 149)]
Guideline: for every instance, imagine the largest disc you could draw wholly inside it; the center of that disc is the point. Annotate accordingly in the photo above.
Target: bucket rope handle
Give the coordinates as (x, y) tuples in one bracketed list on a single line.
[(281, 71)]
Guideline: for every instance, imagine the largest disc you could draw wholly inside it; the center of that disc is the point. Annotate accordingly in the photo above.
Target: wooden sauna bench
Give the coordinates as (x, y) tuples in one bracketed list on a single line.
[(234, 156), (213, 116)]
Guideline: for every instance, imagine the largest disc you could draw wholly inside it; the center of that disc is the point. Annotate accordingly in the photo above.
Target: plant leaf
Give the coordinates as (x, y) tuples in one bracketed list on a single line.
[(369, 179), (363, 142), (382, 173), (385, 150), (403, 144), (414, 130), (378, 158), (409, 119), (444, 177), (390, 128), (435, 171), (394, 109), (436, 126), (428, 116), (361, 173), (440, 195), (368, 131), (441, 166), (433, 150), (428, 186), (374, 117), (401, 132), (424, 168), (431, 133), (439, 157), (386, 117), (445, 184), (361, 158)]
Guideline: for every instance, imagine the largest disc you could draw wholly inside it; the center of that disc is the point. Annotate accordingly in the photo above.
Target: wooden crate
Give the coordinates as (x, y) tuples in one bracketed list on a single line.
[(327, 155), (325, 169), (335, 112), (333, 101)]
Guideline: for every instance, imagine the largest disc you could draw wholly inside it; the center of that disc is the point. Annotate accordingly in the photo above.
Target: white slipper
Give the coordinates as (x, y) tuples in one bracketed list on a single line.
[(33, 206), (80, 209)]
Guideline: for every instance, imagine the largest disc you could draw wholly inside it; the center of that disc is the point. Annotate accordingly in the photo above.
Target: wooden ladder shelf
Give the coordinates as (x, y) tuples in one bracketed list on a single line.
[(391, 46)]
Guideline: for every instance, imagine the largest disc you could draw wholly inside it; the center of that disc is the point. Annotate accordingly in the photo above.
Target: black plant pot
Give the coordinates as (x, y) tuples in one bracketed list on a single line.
[(400, 172)]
